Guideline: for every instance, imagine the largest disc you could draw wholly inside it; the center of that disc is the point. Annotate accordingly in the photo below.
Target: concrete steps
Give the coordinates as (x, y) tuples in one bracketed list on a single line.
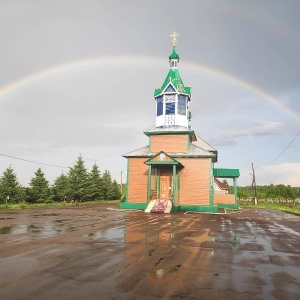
[(159, 206)]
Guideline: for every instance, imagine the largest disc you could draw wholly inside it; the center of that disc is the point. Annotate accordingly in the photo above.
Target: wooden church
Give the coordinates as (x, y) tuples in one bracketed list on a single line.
[(176, 170)]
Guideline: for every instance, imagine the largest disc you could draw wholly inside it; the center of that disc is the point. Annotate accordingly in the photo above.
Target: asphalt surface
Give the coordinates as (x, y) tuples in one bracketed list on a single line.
[(101, 252)]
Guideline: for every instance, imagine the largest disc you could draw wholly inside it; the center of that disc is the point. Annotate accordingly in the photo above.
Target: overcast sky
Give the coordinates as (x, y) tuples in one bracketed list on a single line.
[(77, 77)]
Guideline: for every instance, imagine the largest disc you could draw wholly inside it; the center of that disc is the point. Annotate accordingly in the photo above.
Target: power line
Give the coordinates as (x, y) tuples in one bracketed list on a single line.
[(284, 149), (258, 169), (34, 162)]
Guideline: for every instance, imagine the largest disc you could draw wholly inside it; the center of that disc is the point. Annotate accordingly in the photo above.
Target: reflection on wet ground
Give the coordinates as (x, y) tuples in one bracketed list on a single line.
[(84, 251)]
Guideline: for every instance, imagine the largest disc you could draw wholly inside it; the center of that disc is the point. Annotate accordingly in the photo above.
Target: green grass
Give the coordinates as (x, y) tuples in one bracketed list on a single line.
[(55, 204), (290, 208)]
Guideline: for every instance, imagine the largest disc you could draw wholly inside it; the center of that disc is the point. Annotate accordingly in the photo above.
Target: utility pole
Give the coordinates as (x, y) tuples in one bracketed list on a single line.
[(254, 185)]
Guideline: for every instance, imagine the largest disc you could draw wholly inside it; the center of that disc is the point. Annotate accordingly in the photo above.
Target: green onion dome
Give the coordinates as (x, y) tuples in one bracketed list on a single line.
[(174, 55)]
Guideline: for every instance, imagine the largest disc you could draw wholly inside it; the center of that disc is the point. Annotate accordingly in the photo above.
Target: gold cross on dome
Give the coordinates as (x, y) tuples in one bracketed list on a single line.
[(174, 36)]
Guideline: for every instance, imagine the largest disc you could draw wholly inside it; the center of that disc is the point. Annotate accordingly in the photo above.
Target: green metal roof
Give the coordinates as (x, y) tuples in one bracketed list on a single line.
[(226, 173), (173, 78)]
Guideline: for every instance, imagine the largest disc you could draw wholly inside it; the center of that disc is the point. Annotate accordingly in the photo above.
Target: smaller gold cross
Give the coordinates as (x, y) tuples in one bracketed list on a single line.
[(174, 36)]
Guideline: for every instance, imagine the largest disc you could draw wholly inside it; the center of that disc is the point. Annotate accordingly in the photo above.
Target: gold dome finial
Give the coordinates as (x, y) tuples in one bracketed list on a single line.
[(174, 36)]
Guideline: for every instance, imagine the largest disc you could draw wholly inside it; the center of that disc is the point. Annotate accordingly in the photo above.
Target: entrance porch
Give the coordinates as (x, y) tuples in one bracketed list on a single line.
[(164, 178)]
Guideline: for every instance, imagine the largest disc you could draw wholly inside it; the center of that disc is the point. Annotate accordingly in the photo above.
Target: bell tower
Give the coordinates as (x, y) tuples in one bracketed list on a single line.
[(172, 99)]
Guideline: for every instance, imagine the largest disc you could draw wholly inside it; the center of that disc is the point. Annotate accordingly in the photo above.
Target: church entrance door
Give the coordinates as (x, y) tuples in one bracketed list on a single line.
[(165, 185)]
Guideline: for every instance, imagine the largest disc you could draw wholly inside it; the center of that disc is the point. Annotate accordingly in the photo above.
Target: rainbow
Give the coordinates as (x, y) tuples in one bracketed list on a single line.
[(249, 86), (136, 61)]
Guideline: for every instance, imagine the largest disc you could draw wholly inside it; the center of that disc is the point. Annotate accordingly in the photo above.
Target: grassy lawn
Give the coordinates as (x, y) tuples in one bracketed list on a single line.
[(291, 208), (55, 204)]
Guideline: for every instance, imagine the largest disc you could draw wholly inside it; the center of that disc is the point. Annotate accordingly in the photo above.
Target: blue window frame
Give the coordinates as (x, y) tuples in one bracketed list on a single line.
[(181, 107), (159, 106)]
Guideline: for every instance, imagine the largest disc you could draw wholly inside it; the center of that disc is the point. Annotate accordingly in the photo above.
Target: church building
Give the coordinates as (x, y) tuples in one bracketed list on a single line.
[(176, 170)]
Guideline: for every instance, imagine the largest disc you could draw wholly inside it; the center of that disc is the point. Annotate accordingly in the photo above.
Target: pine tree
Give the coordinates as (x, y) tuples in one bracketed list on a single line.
[(39, 190), (62, 188), (116, 191), (94, 184), (78, 177), (106, 190), (10, 189)]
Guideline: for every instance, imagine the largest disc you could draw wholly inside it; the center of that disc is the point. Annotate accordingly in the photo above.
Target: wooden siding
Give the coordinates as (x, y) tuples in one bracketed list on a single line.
[(170, 143), (195, 181), (224, 199), (138, 180)]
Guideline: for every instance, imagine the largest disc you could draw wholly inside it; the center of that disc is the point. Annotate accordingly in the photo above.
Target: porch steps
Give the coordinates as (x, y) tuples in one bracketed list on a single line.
[(150, 205), (159, 206)]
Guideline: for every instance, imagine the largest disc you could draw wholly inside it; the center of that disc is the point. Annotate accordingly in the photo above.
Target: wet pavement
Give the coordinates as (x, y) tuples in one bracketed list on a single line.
[(101, 252)]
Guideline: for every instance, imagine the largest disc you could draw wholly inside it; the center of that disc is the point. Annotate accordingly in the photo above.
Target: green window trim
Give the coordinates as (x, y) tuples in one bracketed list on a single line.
[(149, 183)]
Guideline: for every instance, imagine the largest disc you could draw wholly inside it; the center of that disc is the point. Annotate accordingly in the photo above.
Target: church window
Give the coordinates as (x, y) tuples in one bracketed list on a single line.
[(170, 104), (159, 101), (182, 105)]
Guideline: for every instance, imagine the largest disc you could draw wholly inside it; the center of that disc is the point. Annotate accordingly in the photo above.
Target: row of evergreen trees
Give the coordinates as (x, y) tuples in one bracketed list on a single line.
[(77, 185)]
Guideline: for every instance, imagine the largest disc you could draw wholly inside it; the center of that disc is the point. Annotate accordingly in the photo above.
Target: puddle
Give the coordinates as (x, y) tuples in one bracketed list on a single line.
[(234, 242), (162, 236), (20, 229), (110, 234), (48, 230), (6, 230), (47, 215), (286, 229)]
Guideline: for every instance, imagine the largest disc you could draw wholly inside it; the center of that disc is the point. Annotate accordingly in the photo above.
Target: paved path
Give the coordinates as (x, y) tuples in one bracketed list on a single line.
[(99, 252)]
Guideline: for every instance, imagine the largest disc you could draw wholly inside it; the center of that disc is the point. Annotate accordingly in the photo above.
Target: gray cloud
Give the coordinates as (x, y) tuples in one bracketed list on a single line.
[(261, 130)]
